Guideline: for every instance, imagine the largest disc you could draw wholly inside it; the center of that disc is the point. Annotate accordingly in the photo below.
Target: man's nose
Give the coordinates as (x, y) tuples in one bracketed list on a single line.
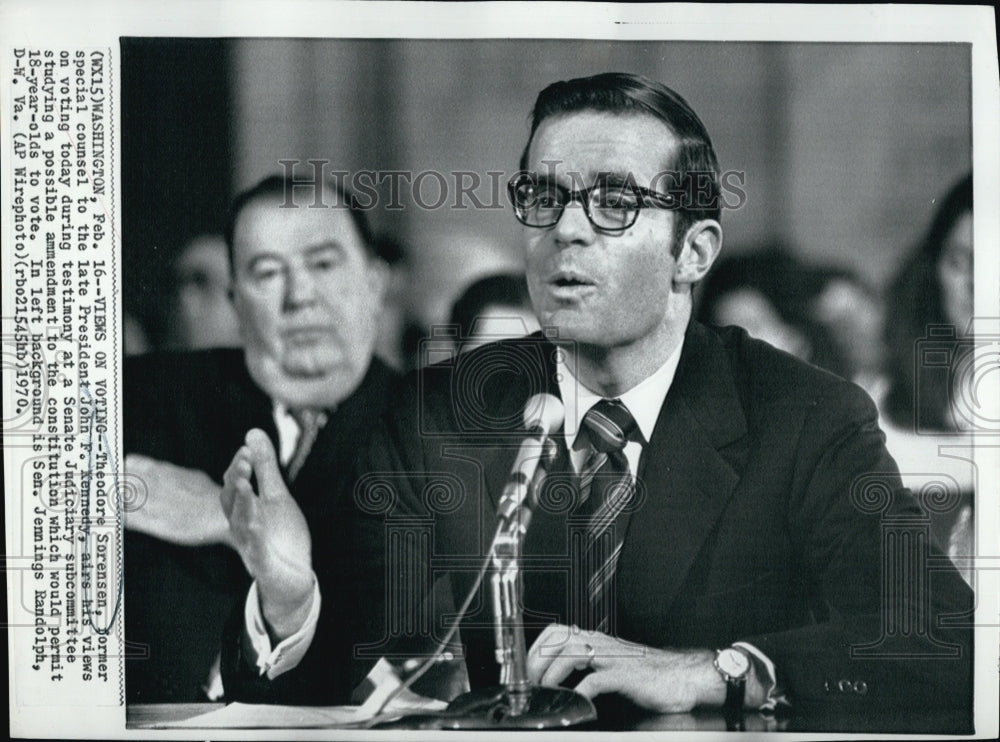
[(574, 227), (300, 289)]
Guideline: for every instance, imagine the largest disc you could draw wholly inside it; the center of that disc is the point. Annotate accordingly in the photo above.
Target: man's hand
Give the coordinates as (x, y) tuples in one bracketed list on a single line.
[(271, 535), (664, 681), (181, 506)]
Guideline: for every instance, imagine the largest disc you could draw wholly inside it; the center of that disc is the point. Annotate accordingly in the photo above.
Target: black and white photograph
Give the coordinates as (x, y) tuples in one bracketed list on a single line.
[(476, 373)]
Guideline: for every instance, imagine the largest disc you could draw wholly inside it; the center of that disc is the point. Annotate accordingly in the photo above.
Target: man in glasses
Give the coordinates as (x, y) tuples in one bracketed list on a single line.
[(711, 529)]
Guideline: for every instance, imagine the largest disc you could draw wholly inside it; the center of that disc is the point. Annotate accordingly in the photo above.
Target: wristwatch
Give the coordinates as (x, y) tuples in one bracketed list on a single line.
[(734, 666)]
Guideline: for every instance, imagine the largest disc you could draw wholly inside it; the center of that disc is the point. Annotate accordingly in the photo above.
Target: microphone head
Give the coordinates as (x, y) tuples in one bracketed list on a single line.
[(543, 414)]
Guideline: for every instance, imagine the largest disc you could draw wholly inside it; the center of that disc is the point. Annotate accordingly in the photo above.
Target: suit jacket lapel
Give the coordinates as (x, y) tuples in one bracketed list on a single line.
[(688, 473)]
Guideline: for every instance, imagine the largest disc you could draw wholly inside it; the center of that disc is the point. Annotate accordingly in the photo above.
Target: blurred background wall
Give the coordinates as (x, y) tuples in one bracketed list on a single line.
[(845, 147)]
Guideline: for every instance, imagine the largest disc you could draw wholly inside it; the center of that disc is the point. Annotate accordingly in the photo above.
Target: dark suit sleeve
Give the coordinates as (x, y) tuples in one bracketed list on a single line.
[(350, 557), (172, 404), (148, 399), (883, 590)]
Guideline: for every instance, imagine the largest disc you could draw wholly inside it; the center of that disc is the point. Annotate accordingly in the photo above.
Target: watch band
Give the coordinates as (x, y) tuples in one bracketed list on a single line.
[(736, 687)]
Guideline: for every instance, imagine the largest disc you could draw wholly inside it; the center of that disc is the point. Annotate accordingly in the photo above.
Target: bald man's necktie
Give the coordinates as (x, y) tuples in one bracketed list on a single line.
[(606, 489), (310, 422)]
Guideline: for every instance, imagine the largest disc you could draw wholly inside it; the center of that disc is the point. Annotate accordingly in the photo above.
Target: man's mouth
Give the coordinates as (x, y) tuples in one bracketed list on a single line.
[(569, 279), (569, 282), (306, 334)]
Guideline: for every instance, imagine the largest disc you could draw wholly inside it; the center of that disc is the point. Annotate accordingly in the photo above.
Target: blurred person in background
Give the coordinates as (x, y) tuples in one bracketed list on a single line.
[(493, 308), (134, 335), (852, 316), (765, 293), (934, 287), (451, 259), (930, 310), (202, 314)]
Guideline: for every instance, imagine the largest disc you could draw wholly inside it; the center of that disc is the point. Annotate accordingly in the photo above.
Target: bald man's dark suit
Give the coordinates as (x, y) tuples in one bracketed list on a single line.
[(194, 409)]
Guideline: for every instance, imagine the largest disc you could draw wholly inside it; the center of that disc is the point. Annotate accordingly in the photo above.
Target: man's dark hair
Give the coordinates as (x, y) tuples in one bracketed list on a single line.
[(695, 164), (283, 187)]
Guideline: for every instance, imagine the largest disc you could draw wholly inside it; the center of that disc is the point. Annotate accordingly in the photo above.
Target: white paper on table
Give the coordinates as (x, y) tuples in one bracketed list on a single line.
[(263, 716)]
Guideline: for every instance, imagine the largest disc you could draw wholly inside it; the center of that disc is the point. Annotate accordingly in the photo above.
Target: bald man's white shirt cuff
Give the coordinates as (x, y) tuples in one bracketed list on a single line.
[(289, 652)]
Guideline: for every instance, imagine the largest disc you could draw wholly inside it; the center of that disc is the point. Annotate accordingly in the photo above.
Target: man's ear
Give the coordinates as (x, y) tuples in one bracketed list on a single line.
[(699, 249)]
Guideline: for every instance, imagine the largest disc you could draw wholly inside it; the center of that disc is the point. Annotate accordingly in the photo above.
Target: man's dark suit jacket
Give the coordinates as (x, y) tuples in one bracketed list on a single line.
[(194, 409), (770, 513)]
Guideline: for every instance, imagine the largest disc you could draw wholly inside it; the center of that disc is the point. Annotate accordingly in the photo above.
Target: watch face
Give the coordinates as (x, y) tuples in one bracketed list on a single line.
[(733, 662)]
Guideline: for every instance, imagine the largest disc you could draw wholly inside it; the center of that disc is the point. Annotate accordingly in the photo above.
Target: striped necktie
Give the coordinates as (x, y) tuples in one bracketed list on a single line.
[(310, 422), (606, 488)]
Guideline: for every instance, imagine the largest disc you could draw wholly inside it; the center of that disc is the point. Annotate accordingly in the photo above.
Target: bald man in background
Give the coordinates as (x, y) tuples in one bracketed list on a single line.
[(307, 288)]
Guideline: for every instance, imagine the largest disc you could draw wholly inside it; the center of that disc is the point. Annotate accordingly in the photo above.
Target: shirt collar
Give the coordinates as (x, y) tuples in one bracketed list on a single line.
[(289, 430), (644, 400)]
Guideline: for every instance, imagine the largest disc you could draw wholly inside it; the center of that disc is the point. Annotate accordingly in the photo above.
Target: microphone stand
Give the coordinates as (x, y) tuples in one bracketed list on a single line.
[(516, 703)]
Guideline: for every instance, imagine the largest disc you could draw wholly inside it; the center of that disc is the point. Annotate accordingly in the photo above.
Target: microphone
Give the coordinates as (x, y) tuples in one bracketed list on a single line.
[(543, 415), (516, 703)]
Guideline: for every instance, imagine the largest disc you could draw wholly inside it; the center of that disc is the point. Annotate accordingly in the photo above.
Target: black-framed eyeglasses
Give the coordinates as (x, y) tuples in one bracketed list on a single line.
[(610, 207)]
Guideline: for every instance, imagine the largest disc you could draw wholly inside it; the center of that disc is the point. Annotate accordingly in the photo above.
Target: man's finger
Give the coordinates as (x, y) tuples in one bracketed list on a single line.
[(239, 468), (265, 464), (139, 462), (243, 466), (243, 508), (575, 656), (546, 648), (226, 496), (139, 520), (538, 662), (598, 683), (136, 461)]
